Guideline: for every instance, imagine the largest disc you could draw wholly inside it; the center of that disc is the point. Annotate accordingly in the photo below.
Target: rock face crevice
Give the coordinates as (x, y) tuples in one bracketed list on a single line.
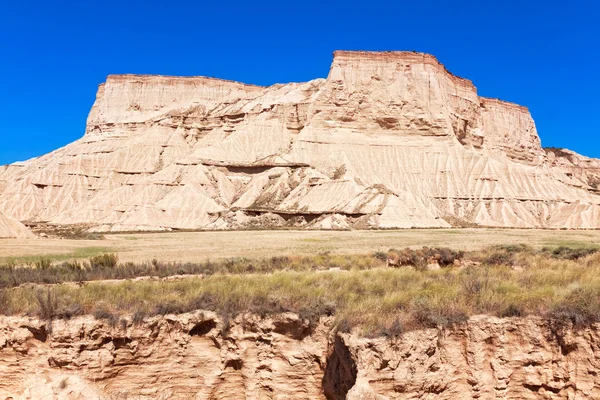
[(340, 371), (392, 137), (195, 356)]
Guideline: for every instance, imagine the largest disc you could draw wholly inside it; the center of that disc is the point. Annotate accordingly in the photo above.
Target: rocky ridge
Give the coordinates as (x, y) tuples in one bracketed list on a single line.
[(10, 228), (198, 355), (387, 140)]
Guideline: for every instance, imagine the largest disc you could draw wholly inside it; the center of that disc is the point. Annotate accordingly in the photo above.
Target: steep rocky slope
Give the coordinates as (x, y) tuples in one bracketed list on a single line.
[(12, 229), (388, 140), (193, 356)]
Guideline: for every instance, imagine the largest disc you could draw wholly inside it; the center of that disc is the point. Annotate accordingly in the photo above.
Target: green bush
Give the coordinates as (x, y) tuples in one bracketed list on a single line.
[(569, 253), (104, 261), (380, 255), (421, 257), (43, 264), (499, 258)]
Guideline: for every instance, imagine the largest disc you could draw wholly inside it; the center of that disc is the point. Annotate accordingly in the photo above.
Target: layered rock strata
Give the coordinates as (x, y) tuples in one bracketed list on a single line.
[(388, 140), (284, 357)]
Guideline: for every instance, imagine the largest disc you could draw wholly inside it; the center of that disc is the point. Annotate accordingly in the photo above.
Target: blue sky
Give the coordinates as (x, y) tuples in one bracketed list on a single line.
[(53, 54)]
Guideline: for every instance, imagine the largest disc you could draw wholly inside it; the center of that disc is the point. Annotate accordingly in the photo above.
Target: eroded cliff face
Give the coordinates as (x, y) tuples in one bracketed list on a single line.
[(175, 357), (488, 358), (10, 228), (388, 140), (193, 356)]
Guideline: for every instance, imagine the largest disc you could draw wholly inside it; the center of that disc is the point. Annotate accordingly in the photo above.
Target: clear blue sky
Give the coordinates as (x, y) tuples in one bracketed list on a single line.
[(53, 54)]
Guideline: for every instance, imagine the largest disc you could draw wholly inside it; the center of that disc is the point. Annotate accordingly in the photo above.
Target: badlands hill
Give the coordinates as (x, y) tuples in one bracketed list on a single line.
[(388, 140), (10, 228)]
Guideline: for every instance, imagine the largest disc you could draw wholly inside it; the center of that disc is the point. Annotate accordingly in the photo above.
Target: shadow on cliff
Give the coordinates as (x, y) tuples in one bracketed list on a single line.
[(340, 372)]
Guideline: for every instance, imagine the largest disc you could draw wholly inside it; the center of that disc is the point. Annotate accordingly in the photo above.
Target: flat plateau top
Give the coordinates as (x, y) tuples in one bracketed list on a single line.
[(202, 246)]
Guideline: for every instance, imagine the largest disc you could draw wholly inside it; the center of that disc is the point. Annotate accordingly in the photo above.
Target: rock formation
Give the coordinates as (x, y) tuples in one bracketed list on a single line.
[(283, 357), (13, 229), (388, 140)]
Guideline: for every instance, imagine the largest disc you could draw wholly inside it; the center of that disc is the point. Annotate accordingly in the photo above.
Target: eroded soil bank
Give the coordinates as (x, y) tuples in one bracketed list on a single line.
[(199, 356)]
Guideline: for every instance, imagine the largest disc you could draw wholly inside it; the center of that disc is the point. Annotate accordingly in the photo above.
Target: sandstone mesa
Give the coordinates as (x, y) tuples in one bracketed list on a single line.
[(388, 140)]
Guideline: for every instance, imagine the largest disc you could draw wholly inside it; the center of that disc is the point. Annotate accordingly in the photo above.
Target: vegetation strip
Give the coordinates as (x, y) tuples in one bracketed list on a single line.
[(560, 284)]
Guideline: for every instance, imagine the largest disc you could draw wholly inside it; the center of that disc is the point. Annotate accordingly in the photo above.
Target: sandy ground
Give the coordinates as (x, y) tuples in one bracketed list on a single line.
[(200, 246)]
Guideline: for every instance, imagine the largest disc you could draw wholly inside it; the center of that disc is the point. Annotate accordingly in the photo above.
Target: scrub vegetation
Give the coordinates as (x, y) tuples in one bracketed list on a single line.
[(364, 292)]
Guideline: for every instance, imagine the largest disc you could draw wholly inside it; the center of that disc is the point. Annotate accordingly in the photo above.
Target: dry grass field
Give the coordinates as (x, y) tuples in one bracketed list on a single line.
[(560, 285), (552, 274), (202, 246)]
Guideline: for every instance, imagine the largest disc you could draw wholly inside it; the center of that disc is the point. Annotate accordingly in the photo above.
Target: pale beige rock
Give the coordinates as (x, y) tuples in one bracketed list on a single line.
[(282, 357), (171, 357), (489, 358), (388, 140), (13, 229)]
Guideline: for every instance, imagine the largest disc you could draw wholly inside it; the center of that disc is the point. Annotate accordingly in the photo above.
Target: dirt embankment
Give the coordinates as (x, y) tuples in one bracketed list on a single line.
[(200, 356)]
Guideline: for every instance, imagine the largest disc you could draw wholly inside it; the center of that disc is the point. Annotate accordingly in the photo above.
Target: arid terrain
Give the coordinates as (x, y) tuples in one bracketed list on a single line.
[(387, 140), (209, 239), (202, 246), (477, 313)]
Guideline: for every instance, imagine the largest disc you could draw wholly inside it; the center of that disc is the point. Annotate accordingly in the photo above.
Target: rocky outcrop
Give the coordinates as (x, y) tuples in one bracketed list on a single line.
[(388, 140), (487, 358), (200, 356), (10, 228), (174, 357)]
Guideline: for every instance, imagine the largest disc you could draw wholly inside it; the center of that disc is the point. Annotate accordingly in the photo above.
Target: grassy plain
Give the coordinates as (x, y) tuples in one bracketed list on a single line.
[(201, 246), (556, 275), (377, 300)]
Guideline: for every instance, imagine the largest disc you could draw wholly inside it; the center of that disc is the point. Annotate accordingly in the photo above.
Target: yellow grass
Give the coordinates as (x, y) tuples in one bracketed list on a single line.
[(200, 246), (377, 300)]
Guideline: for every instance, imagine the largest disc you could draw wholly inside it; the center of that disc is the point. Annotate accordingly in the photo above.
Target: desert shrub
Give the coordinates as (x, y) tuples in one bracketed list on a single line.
[(380, 255), (503, 254), (73, 265), (279, 262), (565, 316), (569, 253), (316, 309), (344, 325), (104, 261), (474, 282), (261, 304), (5, 303), (513, 310), (427, 315), (43, 263), (206, 301), (69, 311), (421, 257), (106, 266), (513, 248), (47, 303), (226, 325), (445, 256), (138, 318), (499, 258), (396, 329), (169, 308), (8, 276), (103, 314), (580, 308)]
